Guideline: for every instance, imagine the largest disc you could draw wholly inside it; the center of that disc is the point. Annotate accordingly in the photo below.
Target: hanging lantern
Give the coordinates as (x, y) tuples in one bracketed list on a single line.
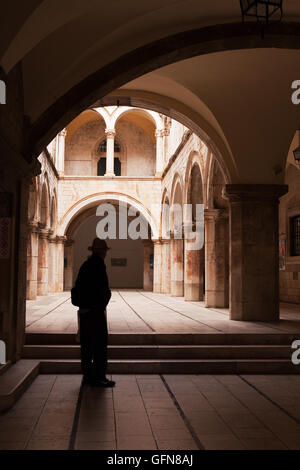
[(263, 10)]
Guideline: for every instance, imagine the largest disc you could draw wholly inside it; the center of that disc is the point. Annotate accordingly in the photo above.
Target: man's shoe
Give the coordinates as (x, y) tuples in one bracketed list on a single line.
[(103, 383)]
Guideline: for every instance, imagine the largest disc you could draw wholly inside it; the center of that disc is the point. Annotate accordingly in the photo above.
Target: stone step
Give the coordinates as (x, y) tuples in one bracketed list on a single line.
[(169, 338), (177, 366), (5, 367), (164, 352), (15, 380)]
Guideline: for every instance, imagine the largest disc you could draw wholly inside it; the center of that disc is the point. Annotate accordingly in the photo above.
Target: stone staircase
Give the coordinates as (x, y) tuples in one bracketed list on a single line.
[(152, 353)]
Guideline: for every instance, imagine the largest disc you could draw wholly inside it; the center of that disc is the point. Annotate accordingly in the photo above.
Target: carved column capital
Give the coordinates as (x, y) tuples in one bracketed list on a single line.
[(214, 214), (60, 239), (110, 133), (33, 226), (44, 233), (68, 242)]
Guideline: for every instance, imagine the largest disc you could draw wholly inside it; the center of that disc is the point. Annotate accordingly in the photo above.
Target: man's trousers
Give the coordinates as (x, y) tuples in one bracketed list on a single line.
[(93, 341)]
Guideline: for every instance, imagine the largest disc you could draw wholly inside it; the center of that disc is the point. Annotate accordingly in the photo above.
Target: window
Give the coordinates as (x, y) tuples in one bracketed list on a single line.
[(117, 167), (295, 235), (102, 147), (101, 167)]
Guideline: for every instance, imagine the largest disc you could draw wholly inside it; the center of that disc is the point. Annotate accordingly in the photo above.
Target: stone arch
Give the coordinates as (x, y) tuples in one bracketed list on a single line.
[(216, 182), (176, 200), (93, 200), (147, 58), (83, 218), (106, 117), (165, 214), (122, 155), (210, 139), (44, 204), (193, 188), (53, 211), (33, 200), (151, 115)]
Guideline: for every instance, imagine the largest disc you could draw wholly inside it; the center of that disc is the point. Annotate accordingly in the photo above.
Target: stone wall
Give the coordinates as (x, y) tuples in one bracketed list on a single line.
[(138, 150), (76, 191), (15, 177), (137, 153)]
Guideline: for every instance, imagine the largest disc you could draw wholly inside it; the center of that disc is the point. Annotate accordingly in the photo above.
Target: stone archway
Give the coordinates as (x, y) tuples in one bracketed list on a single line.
[(42, 270), (130, 262), (217, 240), (194, 283)]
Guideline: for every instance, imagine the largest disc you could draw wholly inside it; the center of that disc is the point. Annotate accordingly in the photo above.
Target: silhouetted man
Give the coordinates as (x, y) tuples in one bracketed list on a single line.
[(94, 294)]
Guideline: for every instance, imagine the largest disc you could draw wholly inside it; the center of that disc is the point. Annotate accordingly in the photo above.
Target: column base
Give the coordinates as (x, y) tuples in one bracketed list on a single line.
[(31, 290), (193, 292), (177, 288), (42, 289), (109, 175), (157, 289), (254, 311), (217, 299)]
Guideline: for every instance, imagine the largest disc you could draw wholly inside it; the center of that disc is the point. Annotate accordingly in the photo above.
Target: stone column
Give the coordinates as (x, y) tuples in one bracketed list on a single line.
[(148, 270), (60, 152), (68, 271), (32, 261), (254, 254), (193, 270), (110, 151), (159, 134), (60, 252), (52, 263), (157, 266), (177, 274), (165, 266), (216, 258), (42, 277)]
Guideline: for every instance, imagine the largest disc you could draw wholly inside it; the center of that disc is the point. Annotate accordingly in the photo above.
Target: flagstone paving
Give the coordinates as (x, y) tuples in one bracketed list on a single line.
[(137, 311), (166, 412), (170, 412)]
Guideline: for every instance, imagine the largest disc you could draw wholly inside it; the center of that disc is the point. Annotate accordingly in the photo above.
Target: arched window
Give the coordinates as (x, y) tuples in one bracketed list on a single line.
[(117, 167), (101, 167), (102, 147)]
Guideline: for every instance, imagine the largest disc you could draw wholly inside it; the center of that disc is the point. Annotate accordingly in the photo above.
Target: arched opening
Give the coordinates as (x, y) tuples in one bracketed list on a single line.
[(194, 256), (42, 269), (130, 260), (218, 79)]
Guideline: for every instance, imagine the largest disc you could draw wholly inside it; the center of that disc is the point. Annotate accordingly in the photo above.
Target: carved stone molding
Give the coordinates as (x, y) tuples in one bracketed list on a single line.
[(110, 133)]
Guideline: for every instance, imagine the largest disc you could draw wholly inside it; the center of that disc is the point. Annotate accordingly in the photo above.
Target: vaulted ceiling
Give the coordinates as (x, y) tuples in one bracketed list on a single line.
[(193, 58)]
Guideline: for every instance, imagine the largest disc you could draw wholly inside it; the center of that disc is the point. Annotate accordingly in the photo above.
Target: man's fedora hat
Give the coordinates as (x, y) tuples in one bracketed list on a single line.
[(98, 244)]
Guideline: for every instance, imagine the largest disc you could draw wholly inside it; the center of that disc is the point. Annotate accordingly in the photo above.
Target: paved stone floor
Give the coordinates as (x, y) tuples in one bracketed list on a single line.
[(163, 412), (136, 311), (167, 412)]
